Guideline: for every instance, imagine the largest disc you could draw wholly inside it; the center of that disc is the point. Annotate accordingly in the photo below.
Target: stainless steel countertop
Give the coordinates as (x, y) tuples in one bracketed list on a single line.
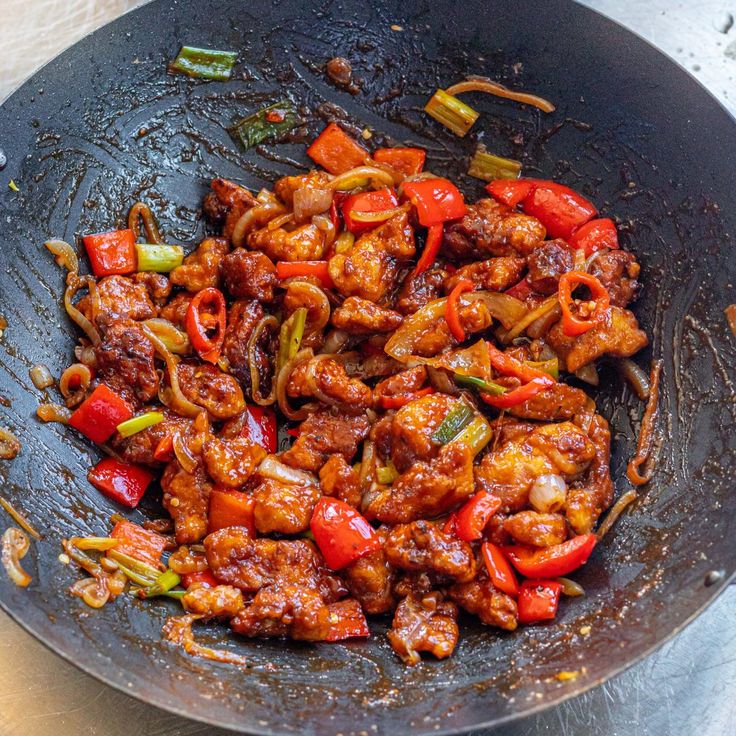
[(685, 688)]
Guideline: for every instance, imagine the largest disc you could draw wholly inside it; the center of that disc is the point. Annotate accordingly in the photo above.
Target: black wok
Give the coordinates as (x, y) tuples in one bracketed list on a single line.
[(103, 125)]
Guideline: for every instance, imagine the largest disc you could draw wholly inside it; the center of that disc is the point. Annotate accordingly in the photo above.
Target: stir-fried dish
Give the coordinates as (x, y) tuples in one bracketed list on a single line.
[(411, 349)]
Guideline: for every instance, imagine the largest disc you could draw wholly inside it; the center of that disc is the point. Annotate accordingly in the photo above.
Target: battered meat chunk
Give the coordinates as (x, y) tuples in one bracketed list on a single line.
[(125, 361), (427, 489), (119, 298), (157, 285), (248, 275), (547, 262), (324, 434), (285, 187), (482, 599), (617, 335), (201, 268), (220, 601), (474, 317), (304, 243), (558, 402), (369, 270), (284, 610), (332, 381), (422, 546), (589, 496), (537, 529), (495, 274), (413, 426), (618, 270), (186, 498), (176, 310), (488, 229), (283, 509), (371, 579), (229, 203), (139, 447), (338, 479), (207, 386), (230, 462), (401, 384), (528, 451), (417, 291), (242, 318), (362, 317), (424, 624)]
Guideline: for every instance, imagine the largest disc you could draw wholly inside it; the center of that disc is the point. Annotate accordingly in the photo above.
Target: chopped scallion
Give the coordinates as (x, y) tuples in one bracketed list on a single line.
[(551, 367), (290, 337), (488, 167), (164, 583), (489, 387), (139, 572), (13, 186), (267, 124), (476, 435), (387, 474), (132, 426), (204, 63), (453, 423), (159, 258), (451, 112)]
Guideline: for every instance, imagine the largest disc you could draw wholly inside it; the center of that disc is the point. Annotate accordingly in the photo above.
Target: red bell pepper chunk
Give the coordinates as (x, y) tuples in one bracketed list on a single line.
[(560, 209), (553, 561), (260, 427), (335, 151), (499, 570), (347, 621), (399, 400), (431, 248), (450, 526), (135, 541), (538, 600), (595, 235), (122, 482), (475, 514), (436, 200), (164, 451), (111, 253), (341, 533), (318, 269), (509, 191), (100, 413), (408, 161), (452, 309), (572, 324), (231, 508), (205, 578), (379, 200), (207, 309)]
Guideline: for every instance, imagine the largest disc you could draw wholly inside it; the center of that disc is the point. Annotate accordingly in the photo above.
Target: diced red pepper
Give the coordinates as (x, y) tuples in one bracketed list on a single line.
[(335, 151), (517, 395), (450, 526), (230, 508), (119, 481), (572, 324), (553, 561), (260, 427), (399, 400), (100, 413), (135, 541), (341, 533), (408, 161), (205, 578), (164, 451), (538, 600), (347, 621), (475, 514), (595, 235), (510, 191), (207, 310), (432, 246), (452, 311), (111, 253), (560, 209), (379, 200), (318, 269), (500, 572), (436, 200), (521, 291), (535, 380)]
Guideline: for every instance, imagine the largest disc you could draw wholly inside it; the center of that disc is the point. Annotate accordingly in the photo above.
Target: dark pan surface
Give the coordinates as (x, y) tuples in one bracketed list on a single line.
[(103, 125)]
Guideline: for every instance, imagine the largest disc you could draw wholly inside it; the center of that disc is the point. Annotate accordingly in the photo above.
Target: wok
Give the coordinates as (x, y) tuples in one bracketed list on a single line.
[(103, 125)]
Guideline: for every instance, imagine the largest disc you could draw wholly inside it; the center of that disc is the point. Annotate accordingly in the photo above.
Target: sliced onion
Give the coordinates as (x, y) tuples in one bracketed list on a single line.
[(310, 377), (74, 383), (98, 544), (441, 380), (41, 377), (53, 413), (64, 255), (255, 377), (308, 202), (9, 444), (254, 218), (84, 561), (588, 374), (86, 354), (636, 377), (19, 519), (296, 415), (13, 548), (593, 257), (548, 493), (265, 196), (367, 466), (327, 227), (176, 340), (306, 294), (273, 469), (377, 217), (73, 285), (93, 591), (483, 84), (280, 221), (616, 510), (184, 455), (401, 344), (179, 631), (471, 361), (141, 211), (335, 341), (542, 324), (544, 308), (571, 588), (378, 178)]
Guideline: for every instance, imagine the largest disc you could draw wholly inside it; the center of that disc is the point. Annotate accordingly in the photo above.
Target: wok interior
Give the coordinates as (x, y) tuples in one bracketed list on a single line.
[(624, 145)]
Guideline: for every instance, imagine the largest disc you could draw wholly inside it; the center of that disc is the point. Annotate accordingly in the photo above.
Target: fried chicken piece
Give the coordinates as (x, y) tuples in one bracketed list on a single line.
[(186, 498), (363, 317), (536, 528), (283, 509), (248, 275), (230, 462), (201, 268), (495, 274), (207, 386)]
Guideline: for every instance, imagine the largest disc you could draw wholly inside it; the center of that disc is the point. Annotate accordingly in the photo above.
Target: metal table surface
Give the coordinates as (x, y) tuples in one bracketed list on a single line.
[(684, 688)]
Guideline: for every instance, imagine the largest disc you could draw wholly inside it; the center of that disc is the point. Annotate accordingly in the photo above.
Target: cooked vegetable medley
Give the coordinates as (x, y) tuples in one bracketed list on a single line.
[(412, 350)]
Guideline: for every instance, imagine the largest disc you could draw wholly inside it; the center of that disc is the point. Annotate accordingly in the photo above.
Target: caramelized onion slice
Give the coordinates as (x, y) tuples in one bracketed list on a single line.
[(272, 468), (13, 548)]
